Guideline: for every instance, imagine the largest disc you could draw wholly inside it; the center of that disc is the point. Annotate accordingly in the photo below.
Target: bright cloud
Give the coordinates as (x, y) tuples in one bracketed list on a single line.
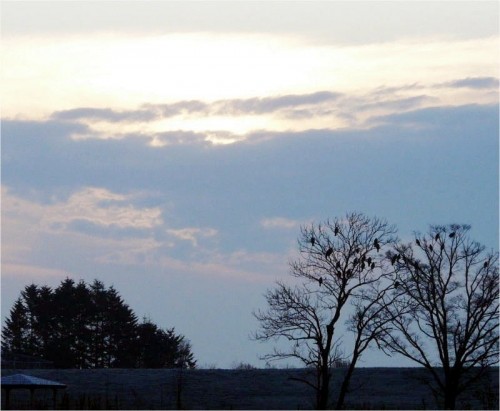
[(102, 207), (127, 71)]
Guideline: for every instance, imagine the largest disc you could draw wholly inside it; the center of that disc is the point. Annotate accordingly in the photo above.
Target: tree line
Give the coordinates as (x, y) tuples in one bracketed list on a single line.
[(79, 325), (433, 300)]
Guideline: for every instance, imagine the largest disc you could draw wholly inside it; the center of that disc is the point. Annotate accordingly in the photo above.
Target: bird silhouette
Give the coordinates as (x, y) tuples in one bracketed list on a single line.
[(313, 240), (320, 281), (452, 235), (396, 284), (418, 242), (329, 252), (431, 248), (436, 237), (485, 265), (336, 231), (372, 266), (376, 244), (369, 260)]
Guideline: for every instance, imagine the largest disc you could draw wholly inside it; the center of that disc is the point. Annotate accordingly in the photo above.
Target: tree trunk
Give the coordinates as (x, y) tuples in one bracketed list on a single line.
[(450, 399), (451, 391), (324, 390), (345, 383)]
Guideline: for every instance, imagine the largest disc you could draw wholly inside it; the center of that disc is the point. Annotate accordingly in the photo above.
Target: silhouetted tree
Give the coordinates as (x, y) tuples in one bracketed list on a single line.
[(159, 348), (14, 333), (80, 326), (339, 261), (443, 309)]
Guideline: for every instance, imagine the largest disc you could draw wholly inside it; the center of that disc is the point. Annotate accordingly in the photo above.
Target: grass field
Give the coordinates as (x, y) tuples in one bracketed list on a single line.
[(371, 388)]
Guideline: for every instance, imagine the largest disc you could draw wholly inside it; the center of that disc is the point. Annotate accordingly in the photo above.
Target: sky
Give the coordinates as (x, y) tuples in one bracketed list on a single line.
[(174, 149)]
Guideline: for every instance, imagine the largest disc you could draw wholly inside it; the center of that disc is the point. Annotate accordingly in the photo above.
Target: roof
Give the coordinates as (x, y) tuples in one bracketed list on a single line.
[(28, 381)]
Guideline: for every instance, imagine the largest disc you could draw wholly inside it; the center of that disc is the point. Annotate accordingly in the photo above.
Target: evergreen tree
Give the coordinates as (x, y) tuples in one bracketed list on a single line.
[(159, 348), (89, 326), (15, 331)]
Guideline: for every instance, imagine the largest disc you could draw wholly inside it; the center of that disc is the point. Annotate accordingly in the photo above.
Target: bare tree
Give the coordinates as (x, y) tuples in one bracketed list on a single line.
[(443, 310), (339, 261)]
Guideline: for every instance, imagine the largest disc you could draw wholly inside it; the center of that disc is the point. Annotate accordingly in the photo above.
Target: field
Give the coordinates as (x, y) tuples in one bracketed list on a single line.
[(371, 388)]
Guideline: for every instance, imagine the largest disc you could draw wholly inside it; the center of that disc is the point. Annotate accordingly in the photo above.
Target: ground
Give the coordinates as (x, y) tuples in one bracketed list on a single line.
[(371, 388)]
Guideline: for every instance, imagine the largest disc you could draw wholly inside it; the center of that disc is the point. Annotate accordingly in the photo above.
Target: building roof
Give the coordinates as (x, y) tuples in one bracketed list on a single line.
[(28, 381)]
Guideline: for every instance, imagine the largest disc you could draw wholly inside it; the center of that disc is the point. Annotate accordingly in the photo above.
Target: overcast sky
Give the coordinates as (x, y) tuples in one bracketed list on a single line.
[(173, 149)]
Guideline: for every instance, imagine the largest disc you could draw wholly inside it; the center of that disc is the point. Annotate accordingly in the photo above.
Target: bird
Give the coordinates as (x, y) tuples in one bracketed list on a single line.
[(376, 244), (369, 260), (418, 242), (320, 281), (336, 231), (358, 250), (452, 234), (442, 247), (394, 259), (430, 248), (313, 240), (485, 265), (356, 260), (329, 252), (372, 266), (396, 284), (436, 237)]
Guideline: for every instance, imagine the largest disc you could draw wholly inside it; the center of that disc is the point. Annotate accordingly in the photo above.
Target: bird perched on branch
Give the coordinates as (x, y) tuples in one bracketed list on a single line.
[(452, 234), (320, 281), (329, 252), (436, 237), (313, 240), (417, 241), (394, 258), (376, 244), (336, 231)]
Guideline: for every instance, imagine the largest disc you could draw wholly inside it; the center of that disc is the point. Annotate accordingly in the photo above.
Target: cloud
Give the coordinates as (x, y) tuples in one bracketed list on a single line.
[(104, 114), (280, 223), (101, 207), (192, 234), (323, 109), (473, 83), (310, 172), (272, 104)]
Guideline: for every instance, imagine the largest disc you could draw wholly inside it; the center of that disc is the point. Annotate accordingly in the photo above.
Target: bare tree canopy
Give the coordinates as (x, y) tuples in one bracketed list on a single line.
[(339, 261), (443, 309)]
